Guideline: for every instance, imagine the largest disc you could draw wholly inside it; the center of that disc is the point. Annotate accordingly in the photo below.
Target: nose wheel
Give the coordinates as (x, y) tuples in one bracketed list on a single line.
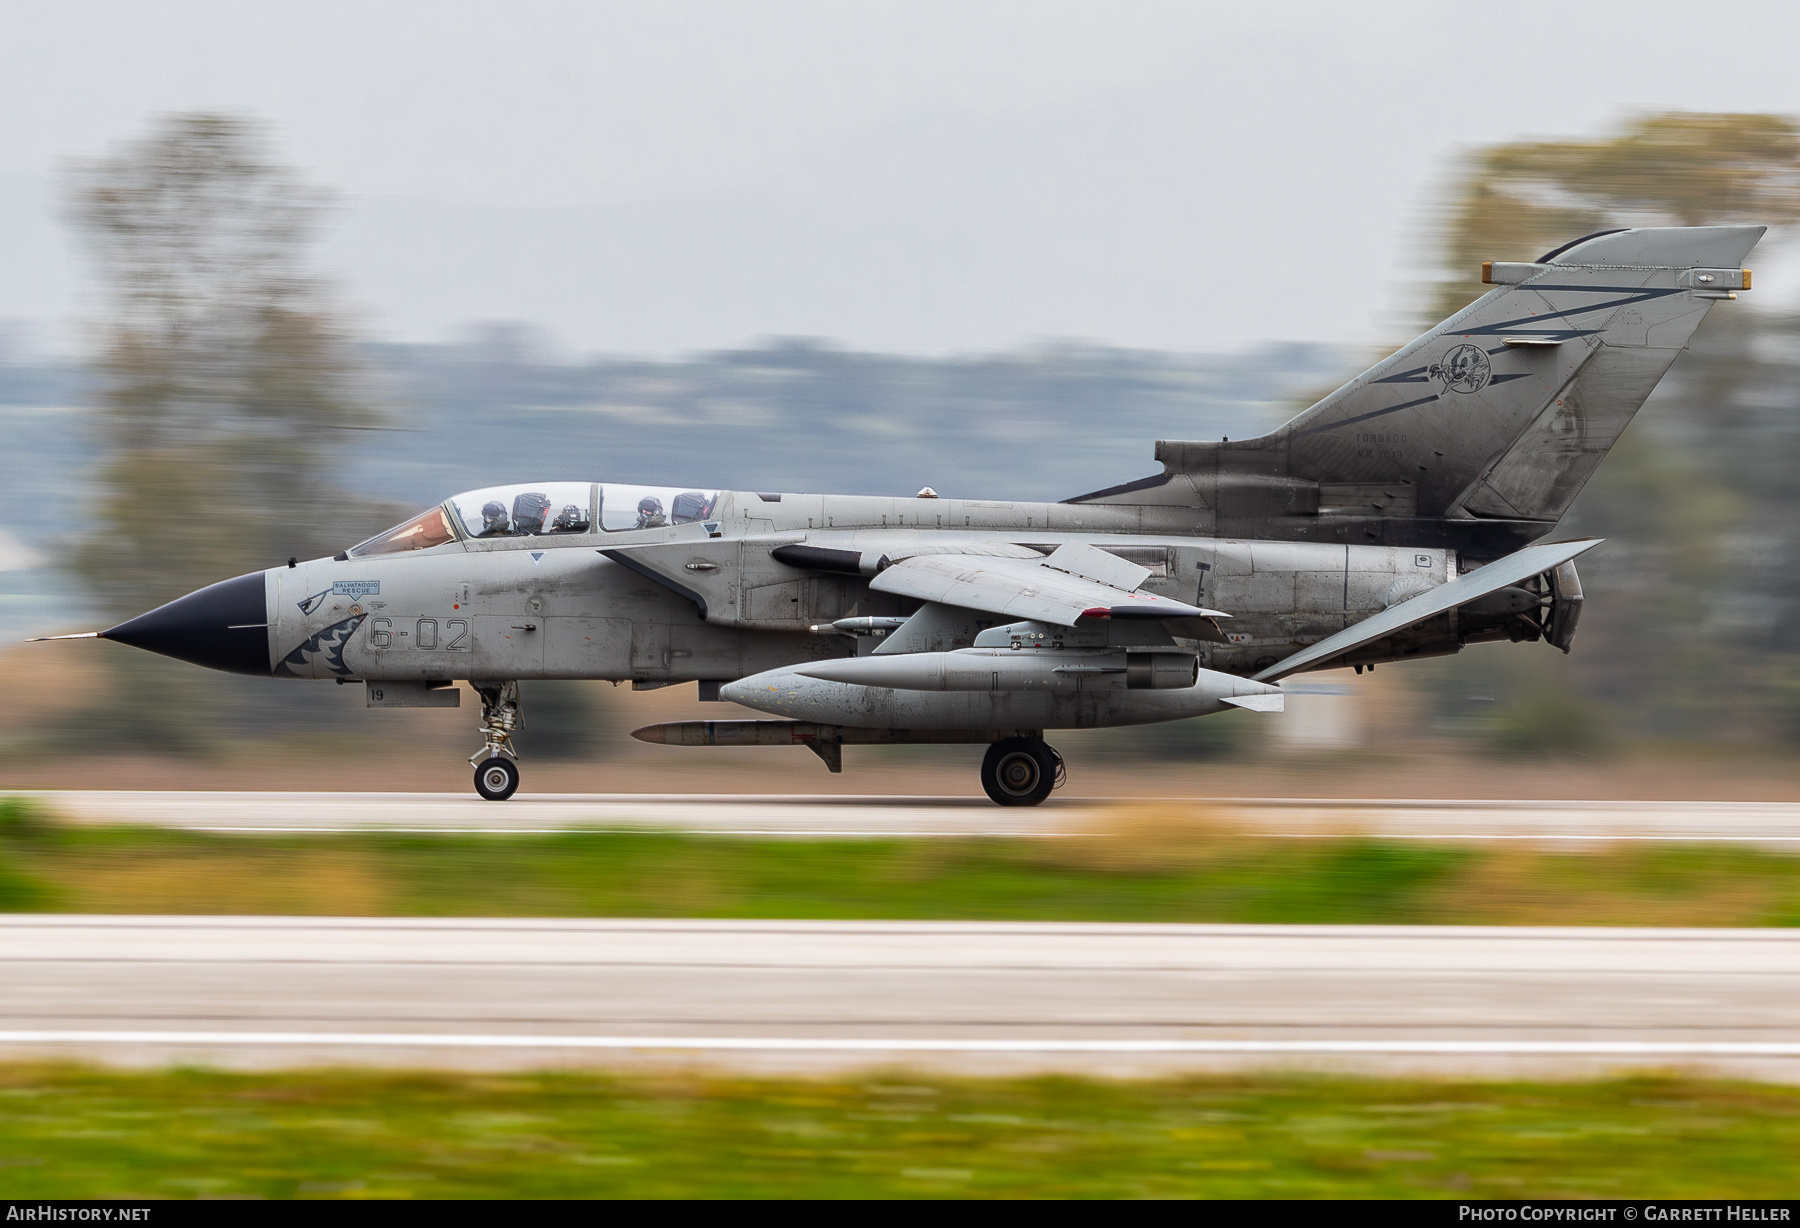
[(497, 779), (1021, 771)]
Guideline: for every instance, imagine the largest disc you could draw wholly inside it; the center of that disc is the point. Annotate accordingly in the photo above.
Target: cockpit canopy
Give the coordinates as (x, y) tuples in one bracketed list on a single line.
[(525, 511), (543, 509)]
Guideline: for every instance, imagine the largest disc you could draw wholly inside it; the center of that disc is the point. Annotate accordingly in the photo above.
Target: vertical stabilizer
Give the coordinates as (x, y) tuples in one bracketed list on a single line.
[(1480, 433)]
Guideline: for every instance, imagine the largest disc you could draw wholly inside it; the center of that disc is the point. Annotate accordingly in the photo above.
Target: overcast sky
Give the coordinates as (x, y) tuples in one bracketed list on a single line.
[(915, 176)]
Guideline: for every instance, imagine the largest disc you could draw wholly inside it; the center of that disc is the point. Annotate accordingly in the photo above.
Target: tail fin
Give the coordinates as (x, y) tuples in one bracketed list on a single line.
[(1481, 432)]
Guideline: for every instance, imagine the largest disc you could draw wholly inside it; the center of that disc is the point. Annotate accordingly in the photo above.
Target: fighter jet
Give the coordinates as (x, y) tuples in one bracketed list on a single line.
[(1397, 518)]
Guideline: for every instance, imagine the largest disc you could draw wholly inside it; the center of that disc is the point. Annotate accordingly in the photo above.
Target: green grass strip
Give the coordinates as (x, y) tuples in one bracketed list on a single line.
[(1131, 874), (68, 1131)]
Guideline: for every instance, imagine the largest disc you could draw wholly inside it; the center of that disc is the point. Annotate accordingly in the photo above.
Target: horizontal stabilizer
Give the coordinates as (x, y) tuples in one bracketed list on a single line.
[(1517, 566), (1258, 703)]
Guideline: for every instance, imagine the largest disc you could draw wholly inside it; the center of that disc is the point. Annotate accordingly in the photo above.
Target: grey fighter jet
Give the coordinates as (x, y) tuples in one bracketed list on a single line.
[(1399, 517)]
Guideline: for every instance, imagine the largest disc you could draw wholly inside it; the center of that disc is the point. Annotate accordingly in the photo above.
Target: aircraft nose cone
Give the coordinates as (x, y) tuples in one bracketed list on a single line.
[(222, 626)]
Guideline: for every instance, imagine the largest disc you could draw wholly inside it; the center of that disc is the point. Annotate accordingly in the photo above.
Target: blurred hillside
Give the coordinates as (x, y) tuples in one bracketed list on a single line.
[(792, 415), (295, 429), (1692, 629)]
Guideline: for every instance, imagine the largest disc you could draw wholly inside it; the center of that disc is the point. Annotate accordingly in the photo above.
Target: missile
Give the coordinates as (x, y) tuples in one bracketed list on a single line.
[(732, 733), (858, 626), (800, 733)]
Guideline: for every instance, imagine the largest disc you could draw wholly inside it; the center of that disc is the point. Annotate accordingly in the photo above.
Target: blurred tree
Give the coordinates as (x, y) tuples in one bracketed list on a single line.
[(1686, 615), (224, 374), (224, 371), (1519, 200)]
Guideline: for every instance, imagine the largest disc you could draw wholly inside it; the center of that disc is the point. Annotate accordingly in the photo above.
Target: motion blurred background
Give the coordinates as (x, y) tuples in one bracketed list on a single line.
[(276, 276)]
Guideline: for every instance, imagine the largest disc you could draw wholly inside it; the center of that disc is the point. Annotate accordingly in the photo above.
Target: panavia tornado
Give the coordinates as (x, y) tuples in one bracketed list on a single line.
[(1399, 517)]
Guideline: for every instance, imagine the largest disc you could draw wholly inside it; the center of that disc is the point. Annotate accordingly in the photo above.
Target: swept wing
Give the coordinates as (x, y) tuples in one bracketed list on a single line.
[(1074, 582)]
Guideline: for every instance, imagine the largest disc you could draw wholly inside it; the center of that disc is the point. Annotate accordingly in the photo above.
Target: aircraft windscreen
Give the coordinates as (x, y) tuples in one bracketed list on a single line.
[(422, 531), (543, 509), (653, 507)]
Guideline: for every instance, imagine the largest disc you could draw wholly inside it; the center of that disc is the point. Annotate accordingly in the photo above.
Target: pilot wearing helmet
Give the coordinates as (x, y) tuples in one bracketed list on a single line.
[(650, 513), (494, 521)]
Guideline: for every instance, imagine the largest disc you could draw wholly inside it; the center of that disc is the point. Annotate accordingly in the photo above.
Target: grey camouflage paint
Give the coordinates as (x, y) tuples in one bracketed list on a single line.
[(1466, 445)]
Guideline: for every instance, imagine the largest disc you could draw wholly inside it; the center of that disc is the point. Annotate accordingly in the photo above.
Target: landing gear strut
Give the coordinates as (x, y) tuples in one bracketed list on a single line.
[(496, 772), (1021, 771)]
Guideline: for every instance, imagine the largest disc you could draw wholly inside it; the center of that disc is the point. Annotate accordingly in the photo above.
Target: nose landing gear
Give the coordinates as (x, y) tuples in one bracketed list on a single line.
[(496, 772), (1021, 771)]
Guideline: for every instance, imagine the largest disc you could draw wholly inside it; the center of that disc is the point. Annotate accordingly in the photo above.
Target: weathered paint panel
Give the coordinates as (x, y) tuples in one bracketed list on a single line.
[(576, 647)]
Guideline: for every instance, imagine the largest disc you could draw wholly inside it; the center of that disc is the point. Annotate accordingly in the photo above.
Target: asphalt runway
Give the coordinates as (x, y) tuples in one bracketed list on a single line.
[(1776, 824), (966, 997)]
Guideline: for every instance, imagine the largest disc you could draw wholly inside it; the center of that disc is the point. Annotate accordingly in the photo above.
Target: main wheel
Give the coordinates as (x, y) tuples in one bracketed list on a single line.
[(497, 779), (1019, 771)]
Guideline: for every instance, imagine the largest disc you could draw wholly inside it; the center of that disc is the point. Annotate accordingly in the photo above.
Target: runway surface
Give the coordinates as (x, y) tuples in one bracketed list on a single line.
[(975, 998), (1775, 824)]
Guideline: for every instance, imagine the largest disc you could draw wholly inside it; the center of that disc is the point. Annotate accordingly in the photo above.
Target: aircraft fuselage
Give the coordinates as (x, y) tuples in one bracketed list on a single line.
[(557, 607)]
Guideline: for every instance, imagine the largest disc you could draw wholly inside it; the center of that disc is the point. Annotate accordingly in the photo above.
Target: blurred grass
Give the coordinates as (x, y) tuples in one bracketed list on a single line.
[(72, 1131), (1143, 864)]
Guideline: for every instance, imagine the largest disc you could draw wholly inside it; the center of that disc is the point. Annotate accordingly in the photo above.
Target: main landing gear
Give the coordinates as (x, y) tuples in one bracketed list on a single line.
[(1021, 771), (496, 769)]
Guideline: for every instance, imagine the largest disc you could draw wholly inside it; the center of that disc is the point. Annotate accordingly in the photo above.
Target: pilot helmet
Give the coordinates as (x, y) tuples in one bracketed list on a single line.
[(649, 506), (493, 515)]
